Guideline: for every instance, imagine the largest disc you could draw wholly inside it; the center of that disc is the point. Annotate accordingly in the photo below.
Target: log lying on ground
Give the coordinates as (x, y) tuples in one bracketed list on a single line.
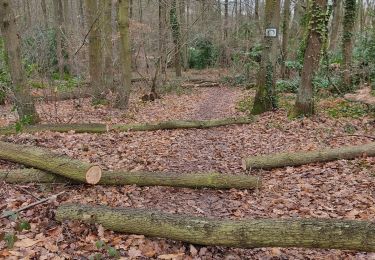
[(119, 178), (306, 157), (102, 128), (325, 234), (45, 160), (30, 175)]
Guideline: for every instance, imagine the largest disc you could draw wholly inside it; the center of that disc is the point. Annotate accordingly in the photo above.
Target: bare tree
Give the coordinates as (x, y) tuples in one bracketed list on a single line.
[(22, 95)]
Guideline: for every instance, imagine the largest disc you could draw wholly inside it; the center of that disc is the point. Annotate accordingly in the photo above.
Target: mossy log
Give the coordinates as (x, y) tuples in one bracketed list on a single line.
[(30, 175), (102, 128), (187, 180), (305, 233), (306, 157), (43, 159)]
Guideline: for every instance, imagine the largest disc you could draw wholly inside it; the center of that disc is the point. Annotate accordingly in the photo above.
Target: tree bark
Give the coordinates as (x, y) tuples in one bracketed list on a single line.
[(59, 20), (95, 52), (265, 99), (176, 35), (303, 157), (29, 175), (22, 94), (304, 233), (45, 160), (123, 89), (335, 27), (285, 40), (347, 40), (211, 180), (162, 37), (108, 48), (317, 30), (102, 128), (45, 16)]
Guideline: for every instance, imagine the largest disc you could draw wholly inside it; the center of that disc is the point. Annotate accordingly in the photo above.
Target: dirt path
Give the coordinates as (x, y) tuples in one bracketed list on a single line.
[(216, 103)]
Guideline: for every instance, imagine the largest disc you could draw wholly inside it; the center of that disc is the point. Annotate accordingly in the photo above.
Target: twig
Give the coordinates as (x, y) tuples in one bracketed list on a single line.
[(364, 136), (8, 214)]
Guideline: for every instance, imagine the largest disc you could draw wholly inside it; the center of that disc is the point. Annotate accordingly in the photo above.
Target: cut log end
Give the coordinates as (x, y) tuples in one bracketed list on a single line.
[(93, 175)]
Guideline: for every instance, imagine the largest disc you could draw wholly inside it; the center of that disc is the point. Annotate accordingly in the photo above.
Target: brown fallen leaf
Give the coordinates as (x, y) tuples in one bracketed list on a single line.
[(171, 256), (26, 242)]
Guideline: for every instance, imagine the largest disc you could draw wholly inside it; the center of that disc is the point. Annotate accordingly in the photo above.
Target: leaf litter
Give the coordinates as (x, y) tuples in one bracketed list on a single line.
[(340, 190)]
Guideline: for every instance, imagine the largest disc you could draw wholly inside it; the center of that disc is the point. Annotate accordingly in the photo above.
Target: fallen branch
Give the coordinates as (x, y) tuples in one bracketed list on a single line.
[(305, 233), (306, 157), (45, 160), (102, 128), (119, 178), (8, 214)]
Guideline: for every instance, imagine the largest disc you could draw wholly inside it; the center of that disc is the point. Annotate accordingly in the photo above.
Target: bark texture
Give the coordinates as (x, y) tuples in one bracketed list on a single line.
[(29, 175), (265, 99), (123, 88), (317, 30), (101, 128), (45, 160), (95, 51), (302, 157), (119, 178), (326, 234)]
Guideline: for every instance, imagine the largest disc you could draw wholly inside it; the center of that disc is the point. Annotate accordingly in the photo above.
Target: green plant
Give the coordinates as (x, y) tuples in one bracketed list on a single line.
[(204, 54), (111, 251), (348, 109), (11, 237), (174, 86), (288, 86), (22, 122), (245, 105)]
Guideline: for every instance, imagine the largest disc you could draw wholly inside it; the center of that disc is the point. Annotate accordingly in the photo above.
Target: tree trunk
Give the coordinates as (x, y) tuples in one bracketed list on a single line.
[(184, 42), (163, 37), (123, 89), (26, 176), (265, 99), (285, 41), (101, 128), (211, 180), (347, 40), (45, 160), (317, 31), (107, 37), (22, 95), (95, 52), (304, 157), (45, 16), (176, 35), (305, 233), (336, 22), (59, 20)]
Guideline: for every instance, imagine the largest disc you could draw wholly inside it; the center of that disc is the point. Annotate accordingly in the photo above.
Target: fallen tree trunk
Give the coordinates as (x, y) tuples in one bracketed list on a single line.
[(119, 178), (30, 175), (302, 157), (102, 128), (45, 160), (325, 234)]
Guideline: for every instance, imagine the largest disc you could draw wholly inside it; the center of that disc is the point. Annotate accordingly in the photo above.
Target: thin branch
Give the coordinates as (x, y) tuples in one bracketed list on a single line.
[(8, 214)]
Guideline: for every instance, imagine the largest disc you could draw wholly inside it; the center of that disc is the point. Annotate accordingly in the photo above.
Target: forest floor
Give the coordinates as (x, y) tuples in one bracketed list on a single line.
[(340, 190)]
